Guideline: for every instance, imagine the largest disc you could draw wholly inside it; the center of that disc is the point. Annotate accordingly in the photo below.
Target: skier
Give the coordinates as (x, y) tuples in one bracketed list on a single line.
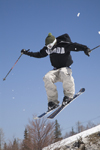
[(59, 51)]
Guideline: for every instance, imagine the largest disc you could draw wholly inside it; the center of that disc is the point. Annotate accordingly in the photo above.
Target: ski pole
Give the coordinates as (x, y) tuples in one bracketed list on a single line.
[(92, 49), (14, 65), (95, 47)]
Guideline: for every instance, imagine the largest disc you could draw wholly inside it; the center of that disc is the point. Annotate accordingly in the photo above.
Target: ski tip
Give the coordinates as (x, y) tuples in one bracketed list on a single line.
[(36, 118), (82, 90)]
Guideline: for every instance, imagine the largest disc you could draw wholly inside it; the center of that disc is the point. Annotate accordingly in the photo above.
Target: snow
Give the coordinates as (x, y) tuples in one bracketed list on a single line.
[(78, 14), (99, 32), (73, 138)]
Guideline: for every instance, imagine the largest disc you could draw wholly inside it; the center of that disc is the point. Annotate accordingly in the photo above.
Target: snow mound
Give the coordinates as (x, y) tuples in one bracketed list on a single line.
[(73, 138)]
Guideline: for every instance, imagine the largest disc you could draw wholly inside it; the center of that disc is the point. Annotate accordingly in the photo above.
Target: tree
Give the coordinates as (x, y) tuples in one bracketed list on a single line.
[(79, 127), (90, 125), (72, 132), (5, 146), (1, 138), (57, 132), (15, 145), (25, 141), (25, 134), (40, 133)]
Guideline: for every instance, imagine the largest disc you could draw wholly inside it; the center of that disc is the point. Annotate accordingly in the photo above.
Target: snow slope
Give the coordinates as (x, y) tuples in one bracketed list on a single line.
[(73, 138)]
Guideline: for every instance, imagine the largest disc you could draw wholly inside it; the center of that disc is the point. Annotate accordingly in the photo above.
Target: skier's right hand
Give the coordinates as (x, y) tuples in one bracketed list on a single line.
[(23, 51), (87, 51)]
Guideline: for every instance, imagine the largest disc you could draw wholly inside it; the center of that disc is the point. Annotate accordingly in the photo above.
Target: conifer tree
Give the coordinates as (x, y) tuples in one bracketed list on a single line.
[(26, 140), (57, 132), (72, 132), (5, 146), (25, 134), (15, 145)]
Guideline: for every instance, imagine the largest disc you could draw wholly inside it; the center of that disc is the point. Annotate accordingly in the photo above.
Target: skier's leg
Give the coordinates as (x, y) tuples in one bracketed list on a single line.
[(68, 82), (49, 79)]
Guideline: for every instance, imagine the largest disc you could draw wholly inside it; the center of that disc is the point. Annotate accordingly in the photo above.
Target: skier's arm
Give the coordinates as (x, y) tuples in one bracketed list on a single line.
[(78, 47), (42, 53)]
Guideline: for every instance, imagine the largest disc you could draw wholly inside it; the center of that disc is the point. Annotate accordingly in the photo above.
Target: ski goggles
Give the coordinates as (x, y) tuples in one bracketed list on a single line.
[(49, 46)]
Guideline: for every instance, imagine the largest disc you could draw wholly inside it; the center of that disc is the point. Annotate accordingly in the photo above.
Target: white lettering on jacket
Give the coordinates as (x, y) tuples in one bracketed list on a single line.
[(58, 50)]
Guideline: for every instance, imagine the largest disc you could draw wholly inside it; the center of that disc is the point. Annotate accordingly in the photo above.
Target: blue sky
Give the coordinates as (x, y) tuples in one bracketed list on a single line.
[(25, 24)]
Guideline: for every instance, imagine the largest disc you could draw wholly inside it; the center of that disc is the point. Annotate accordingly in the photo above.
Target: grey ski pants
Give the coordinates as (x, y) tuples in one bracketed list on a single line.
[(63, 75)]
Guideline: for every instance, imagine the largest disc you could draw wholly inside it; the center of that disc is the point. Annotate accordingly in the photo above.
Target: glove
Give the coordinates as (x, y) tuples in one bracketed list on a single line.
[(23, 51), (87, 51)]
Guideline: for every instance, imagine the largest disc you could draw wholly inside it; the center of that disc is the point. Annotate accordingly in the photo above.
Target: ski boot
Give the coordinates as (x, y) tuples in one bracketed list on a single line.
[(66, 100), (52, 105)]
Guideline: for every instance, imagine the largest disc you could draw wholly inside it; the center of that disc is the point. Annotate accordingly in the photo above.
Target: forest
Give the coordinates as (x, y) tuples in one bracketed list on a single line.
[(39, 134)]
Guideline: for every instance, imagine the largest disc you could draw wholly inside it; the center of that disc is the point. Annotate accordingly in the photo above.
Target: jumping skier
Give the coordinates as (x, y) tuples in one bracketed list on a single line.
[(59, 51)]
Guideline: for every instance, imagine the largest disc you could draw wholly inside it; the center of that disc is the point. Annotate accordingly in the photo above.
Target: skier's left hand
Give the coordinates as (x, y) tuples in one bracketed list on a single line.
[(87, 51)]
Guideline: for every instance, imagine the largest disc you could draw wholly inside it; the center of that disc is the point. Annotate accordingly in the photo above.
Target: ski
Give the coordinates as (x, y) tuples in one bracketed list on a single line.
[(45, 113), (61, 107)]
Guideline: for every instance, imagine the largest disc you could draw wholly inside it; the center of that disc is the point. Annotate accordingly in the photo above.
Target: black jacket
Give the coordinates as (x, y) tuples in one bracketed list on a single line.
[(60, 53)]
